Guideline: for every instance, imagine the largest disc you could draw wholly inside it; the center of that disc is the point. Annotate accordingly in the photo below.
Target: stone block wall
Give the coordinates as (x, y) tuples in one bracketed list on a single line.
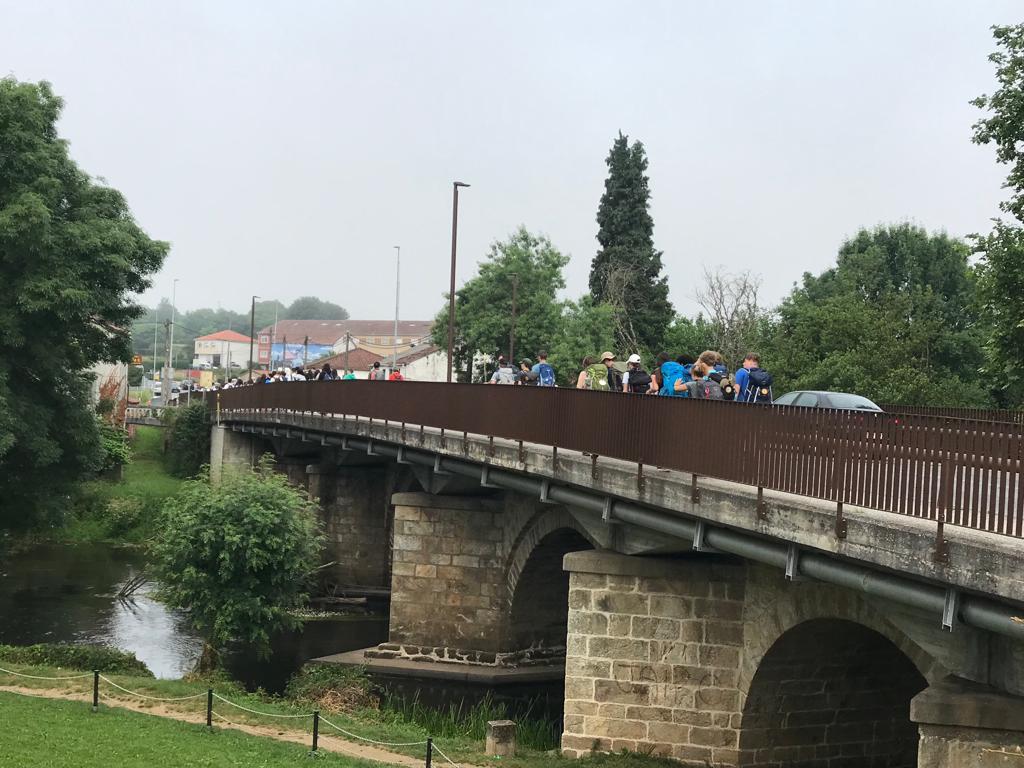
[(653, 658), (447, 577), (355, 512)]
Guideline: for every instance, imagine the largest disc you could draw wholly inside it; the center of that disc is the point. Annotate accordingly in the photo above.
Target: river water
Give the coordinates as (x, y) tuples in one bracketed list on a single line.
[(68, 594)]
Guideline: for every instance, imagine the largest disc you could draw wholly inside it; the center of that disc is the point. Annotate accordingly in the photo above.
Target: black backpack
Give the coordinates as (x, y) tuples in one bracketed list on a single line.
[(639, 381), (759, 387)]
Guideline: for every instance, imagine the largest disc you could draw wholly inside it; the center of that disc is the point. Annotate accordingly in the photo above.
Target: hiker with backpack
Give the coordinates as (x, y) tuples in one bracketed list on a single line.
[(718, 373), (673, 371), (636, 380), (753, 384), (545, 373), (700, 386), (526, 376), (581, 379), (504, 373)]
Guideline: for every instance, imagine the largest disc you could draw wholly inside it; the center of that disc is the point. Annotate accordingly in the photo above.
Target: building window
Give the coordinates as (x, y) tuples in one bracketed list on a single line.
[(264, 339)]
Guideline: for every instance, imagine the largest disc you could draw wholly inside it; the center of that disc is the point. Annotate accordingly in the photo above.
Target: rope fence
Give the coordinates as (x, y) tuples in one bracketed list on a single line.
[(211, 695)]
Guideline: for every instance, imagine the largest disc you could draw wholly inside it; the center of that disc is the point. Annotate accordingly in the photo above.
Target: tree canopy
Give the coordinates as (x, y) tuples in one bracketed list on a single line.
[(312, 308), (483, 305), (238, 555), (1001, 271), (626, 271), (895, 320), (72, 258)]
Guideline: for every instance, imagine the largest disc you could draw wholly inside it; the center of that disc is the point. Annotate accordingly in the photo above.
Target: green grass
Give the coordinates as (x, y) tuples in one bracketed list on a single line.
[(382, 725), (49, 733), (124, 511)]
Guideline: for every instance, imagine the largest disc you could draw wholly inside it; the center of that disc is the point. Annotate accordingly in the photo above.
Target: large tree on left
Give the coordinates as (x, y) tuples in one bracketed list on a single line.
[(71, 258)]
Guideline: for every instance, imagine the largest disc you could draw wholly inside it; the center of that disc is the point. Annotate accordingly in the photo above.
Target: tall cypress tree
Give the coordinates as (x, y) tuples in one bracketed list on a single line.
[(626, 272)]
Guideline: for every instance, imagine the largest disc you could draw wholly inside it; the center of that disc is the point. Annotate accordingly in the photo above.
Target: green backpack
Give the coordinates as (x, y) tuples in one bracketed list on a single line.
[(597, 377)]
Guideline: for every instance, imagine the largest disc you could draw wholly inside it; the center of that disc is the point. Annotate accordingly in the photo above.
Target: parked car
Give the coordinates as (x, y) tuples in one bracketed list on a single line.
[(842, 400)]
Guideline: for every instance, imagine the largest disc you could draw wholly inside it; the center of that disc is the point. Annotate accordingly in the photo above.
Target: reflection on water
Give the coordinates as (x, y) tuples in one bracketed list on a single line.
[(67, 594)]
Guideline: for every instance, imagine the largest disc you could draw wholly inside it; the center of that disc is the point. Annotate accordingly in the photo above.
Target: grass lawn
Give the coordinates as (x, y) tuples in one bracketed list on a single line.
[(137, 497), (49, 733)]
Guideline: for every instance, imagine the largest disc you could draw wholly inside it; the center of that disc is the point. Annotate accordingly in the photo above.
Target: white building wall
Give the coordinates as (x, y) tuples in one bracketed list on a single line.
[(237, 351), (432, 367)]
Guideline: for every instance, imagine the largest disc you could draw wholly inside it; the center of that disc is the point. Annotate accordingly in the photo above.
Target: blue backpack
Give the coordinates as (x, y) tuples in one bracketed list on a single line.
[(545, 375), (759, 387), (670, 374)]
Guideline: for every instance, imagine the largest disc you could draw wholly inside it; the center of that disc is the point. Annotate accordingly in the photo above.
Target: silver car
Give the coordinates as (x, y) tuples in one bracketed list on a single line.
[(814, 399)]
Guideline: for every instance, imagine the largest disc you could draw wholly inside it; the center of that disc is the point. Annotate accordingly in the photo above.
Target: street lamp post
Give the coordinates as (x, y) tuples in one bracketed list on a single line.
[(394, 339), (252, 332), (451, 288)]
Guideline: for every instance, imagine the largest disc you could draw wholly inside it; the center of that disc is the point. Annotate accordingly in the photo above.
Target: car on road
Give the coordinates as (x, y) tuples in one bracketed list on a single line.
[(844, 401)]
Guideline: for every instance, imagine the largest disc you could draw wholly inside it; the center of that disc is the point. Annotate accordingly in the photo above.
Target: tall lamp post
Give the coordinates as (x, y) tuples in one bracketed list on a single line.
[(512, 330), (170, 343), (252, 332), (394, 339), (451, 288)]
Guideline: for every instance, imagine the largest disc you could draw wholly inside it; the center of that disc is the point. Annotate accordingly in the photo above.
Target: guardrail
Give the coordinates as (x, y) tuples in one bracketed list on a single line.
[(974, 414), (961, 472)]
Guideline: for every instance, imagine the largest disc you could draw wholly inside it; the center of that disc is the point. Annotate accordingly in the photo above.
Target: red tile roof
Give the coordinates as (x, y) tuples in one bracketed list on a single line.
[(224, 336), (358, 360), (330, 331)]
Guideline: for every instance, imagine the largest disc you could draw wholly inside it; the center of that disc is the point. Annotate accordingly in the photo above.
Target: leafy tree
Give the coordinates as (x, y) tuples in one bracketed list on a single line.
[(188, 445), (238, 556), (72, 257), (895, 320), (587, 328), (1001, 271), (626, 272), (312, 308), (690, 336), (483, 306)]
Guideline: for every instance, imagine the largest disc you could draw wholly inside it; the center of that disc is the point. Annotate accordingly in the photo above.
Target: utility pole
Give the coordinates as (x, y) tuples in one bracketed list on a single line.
[(167, 379), (512, 330), (451, 288), (348, 339), (394, 339), (273, 335), (170, 345), (305, 351), (156, 332), (252, 333)]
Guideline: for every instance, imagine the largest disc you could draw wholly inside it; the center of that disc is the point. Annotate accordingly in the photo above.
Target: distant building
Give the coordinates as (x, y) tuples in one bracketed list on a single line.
[(359, 362), (223, 349), (296, 341), (423, 363)]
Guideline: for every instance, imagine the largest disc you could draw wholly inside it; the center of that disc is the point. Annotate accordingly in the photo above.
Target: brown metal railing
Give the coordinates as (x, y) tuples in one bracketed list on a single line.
[(975, 414), (964, 472)]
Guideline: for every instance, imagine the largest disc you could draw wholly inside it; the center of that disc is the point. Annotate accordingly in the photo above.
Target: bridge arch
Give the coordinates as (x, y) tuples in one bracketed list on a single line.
[(538, 587), (829, 689)]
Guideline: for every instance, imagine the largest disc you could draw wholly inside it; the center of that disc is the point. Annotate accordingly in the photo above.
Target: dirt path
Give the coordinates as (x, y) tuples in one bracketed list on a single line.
[(325, 742)]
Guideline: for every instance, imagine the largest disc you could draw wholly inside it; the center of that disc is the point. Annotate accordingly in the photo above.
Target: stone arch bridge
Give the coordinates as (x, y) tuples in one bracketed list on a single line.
[(725, 585)]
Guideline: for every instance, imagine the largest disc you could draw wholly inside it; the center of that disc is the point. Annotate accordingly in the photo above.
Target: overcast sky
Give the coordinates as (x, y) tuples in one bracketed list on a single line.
[(284, 148)]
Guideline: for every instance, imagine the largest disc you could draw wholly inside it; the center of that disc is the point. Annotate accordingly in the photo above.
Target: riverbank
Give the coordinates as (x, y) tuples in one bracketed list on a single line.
[(122, 511), (286, 718), (115, 737)]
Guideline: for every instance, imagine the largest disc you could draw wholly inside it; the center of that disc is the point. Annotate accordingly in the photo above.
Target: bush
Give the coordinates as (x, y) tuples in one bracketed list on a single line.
[(84, 657), (188, 445), (114, 444), (332, 687), (238, 556)]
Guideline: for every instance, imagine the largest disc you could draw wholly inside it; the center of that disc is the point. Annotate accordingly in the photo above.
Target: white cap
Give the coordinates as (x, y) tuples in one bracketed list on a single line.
[(633, 359)]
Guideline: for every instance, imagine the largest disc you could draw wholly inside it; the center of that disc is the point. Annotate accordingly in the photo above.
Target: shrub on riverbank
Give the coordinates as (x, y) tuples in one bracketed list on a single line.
[(188, 443), (238, 555), (123, 511), (84, 657)]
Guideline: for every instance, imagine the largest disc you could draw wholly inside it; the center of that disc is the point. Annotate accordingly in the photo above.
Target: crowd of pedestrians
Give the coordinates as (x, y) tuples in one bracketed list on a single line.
[(705, 377)]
